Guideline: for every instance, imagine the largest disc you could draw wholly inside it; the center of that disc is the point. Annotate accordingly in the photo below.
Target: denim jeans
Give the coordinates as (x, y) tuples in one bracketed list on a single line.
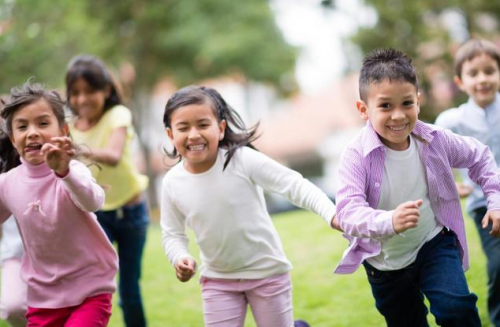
[(127, 226), (436, 273), (491, 247)]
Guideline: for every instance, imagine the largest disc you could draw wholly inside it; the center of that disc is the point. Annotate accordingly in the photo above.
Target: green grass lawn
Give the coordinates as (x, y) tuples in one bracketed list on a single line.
[(320, 297)]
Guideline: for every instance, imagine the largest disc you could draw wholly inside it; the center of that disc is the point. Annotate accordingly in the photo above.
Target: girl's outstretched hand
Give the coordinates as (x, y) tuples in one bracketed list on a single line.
[(185, 268), (58, 154), (494, 217)]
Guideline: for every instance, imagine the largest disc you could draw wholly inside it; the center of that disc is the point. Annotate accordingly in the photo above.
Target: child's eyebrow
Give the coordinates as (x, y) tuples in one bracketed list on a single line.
[(23, 120)]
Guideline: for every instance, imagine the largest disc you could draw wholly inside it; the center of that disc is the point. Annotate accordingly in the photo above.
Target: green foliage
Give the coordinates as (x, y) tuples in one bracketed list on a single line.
[(421, 30), (186, 40)]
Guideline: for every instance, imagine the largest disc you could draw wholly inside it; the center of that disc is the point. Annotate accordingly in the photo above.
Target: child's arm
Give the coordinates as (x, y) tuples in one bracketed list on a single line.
[(112, 154), (274, 177), (174, 238), (77, 179), (467, 152), (356, 217)]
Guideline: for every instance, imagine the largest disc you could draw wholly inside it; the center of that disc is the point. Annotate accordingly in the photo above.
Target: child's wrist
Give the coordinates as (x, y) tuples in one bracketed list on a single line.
[(62, 173)]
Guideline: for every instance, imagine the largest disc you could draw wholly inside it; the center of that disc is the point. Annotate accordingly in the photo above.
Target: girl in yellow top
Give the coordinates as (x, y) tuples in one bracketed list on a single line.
[(102, 126)]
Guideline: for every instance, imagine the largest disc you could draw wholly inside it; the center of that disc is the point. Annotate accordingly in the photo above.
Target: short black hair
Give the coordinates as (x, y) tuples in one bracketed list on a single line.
[(385, 64)]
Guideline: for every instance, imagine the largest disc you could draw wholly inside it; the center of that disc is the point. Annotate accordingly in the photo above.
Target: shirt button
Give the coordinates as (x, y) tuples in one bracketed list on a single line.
[(377, 184)]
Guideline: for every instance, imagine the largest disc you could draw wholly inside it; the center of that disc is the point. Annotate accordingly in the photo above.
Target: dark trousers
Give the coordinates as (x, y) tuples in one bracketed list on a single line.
[(127, 227), (436, 273), (491, 247)]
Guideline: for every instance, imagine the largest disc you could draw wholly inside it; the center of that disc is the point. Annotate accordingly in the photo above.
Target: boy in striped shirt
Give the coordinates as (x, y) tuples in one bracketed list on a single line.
[(398, 203)]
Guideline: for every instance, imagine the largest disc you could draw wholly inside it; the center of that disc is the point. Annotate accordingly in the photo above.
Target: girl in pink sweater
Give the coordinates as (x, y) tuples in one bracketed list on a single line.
[(69, 265)]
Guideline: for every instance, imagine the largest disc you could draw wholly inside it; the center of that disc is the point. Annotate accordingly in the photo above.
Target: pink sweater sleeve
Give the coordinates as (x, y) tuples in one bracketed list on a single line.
[(84, 190)]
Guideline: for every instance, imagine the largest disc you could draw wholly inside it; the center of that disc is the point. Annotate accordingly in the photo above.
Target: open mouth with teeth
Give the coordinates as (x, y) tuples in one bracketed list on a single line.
[(397, 128), (196, 147)]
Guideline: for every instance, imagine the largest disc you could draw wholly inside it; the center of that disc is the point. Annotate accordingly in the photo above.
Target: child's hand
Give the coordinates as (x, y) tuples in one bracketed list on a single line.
[(335, 224), (494, 217), (463, 190), (185, 268), (58, 154), (406, 216)]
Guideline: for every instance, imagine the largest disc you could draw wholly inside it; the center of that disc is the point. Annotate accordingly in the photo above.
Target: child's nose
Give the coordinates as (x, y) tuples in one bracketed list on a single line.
[(398, 114), (32, 131), (194, 133)]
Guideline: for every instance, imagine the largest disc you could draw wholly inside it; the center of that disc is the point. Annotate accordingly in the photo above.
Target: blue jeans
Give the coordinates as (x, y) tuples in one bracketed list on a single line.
[(436, 273), (127, 226), (491, 247)]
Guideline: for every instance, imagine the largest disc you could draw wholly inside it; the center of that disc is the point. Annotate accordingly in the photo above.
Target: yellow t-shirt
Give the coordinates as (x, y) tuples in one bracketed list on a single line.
[(122, 182)]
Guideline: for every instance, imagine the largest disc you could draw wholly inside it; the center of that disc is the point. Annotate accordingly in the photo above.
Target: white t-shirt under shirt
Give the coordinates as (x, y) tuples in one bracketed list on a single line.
[(227, 211), (405, 180)]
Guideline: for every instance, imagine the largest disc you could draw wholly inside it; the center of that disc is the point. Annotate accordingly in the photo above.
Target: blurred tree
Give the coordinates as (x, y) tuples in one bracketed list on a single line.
[(428, 31), (186, 40)]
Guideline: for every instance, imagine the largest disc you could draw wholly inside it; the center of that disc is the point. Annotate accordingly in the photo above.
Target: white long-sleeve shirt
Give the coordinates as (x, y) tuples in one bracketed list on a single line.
[(227, 211)]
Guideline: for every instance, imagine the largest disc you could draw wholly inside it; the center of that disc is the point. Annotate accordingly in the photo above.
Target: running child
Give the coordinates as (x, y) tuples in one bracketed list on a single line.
[(477, 73), (69, 265), (217, 190), (399, 205), (102, 127)]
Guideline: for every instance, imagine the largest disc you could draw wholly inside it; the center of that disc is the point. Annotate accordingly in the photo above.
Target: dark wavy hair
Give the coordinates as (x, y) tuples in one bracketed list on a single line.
[(236, 134), (93, 71), (385, 64), (19, 98)]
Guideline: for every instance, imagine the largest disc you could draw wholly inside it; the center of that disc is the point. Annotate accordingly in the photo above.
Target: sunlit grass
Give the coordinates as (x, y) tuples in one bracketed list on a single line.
[(321, 298)]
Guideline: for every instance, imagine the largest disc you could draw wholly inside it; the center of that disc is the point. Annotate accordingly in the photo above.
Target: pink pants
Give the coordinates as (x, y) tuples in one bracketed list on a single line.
[(225, 301), (13, 295), (93, 312)]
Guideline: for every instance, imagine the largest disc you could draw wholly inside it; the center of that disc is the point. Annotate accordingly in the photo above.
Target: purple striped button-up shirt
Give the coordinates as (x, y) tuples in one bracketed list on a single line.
[(360, 174)]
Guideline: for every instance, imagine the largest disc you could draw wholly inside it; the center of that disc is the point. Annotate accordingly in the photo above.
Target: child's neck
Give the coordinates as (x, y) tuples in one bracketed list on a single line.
[(84, 124)]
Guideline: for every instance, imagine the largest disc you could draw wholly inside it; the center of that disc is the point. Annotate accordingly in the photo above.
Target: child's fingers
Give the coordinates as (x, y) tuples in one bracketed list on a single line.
[(485, 221), (495, 228)]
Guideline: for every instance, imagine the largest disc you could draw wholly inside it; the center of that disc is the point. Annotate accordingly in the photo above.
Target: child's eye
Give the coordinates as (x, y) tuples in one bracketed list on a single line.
[(21, 127), (490, 71), (385, 105), (472, 73), (408, 103)]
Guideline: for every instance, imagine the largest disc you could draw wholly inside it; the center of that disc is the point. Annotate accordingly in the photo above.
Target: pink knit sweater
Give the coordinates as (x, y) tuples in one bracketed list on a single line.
[(68, 257)]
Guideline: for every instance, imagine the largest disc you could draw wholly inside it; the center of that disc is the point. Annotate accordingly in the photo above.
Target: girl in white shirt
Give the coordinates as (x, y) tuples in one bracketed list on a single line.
[(216, 189)]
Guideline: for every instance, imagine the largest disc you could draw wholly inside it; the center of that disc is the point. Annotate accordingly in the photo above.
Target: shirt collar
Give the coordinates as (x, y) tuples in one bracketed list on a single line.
[(489, 108), (39, 170), (371, 141)]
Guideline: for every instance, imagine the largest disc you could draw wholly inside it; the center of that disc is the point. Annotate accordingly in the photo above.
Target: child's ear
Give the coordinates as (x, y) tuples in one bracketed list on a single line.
[(107, 92), (65, 130), (362, 109), (169, 133), (222, 129), (458, 82)]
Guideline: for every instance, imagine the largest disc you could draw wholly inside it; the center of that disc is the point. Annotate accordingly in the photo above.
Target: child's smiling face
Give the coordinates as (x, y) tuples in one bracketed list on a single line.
[(480, 79), (32, 126), (392, 108), (196, 133)]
